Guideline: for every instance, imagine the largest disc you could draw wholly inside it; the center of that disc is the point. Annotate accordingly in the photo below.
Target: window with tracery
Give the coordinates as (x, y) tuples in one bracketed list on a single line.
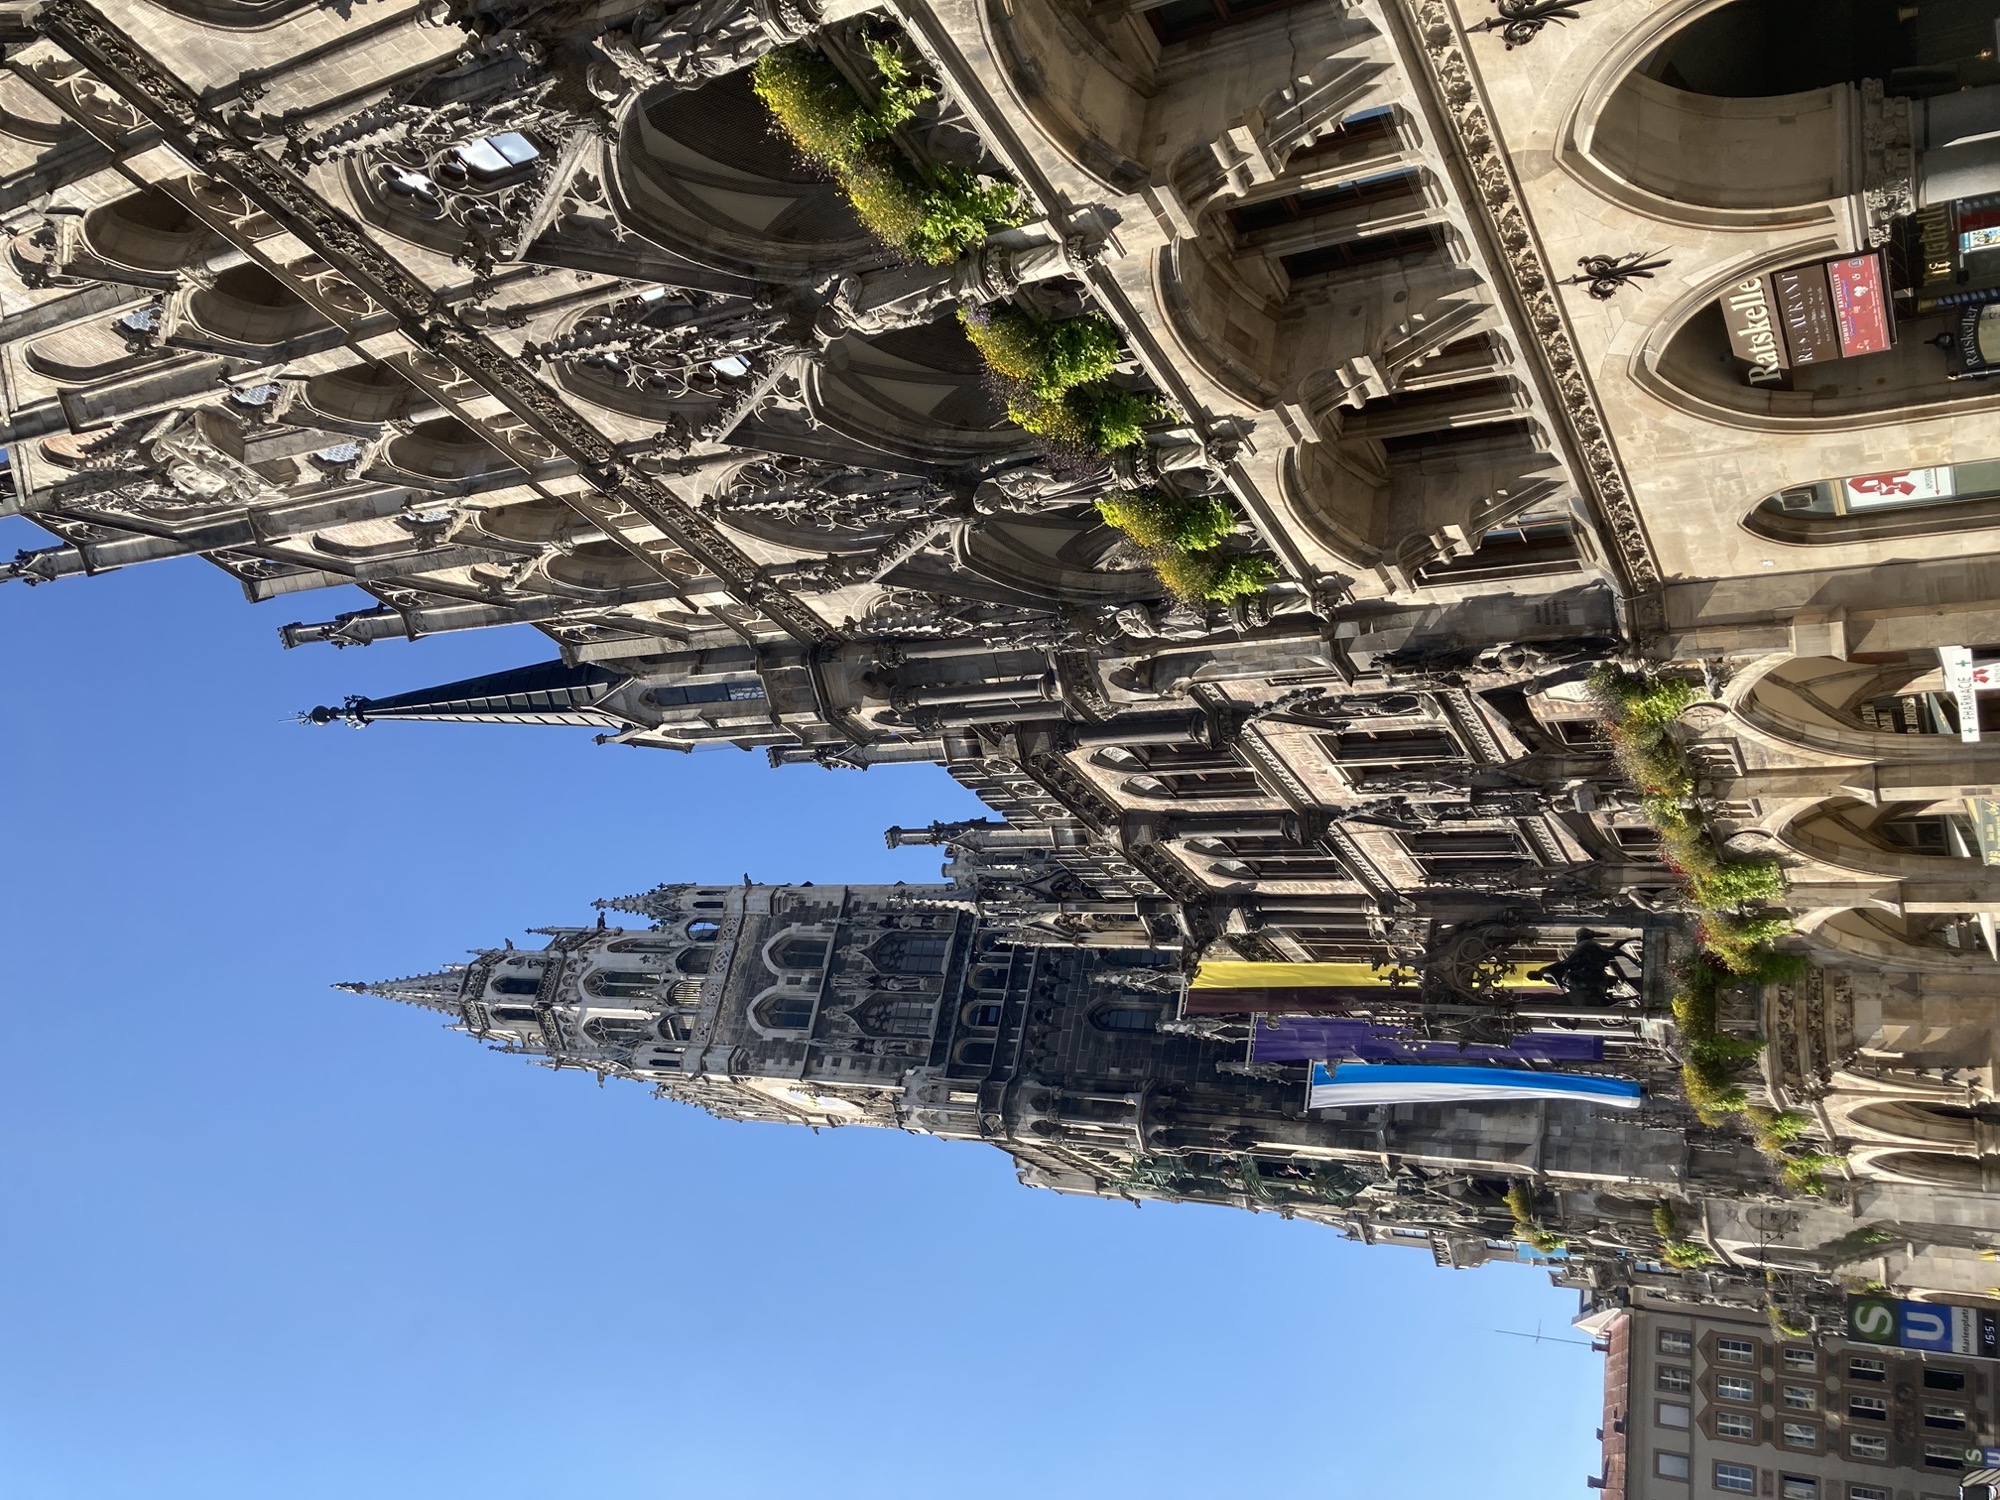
[(911, 953), (890, 1015), (617, 1031), (621, 983)]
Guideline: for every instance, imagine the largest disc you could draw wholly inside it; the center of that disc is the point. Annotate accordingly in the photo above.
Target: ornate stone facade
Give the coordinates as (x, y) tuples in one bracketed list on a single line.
[(516, 315)]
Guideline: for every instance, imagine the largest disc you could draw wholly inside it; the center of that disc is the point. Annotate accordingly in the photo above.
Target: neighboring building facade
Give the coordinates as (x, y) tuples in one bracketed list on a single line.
[(516, 314), (1704, 1401)]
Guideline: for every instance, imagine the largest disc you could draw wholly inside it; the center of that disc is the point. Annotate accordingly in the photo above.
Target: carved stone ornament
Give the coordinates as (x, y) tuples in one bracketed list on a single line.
[(1889, 161), (1498, 195), (621, 503)]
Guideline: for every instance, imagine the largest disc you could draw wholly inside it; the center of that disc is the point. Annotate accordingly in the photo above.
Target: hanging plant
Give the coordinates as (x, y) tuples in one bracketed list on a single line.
[(1180, 537), (1054, 377), (932, 213)]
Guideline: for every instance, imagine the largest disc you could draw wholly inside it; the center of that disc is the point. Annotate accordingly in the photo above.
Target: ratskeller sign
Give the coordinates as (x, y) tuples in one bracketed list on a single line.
[(1807, 315)]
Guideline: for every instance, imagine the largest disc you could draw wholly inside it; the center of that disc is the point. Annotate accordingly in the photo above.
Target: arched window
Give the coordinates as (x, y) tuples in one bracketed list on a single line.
[(617, 1031), (982, 1015), (894, 1015), (976, 1054), (1896, 502), (516, 984), (799, 953), (1125, 1018), (906, 953), (695, 960), (686, 992), (512, 1013), (702, 930), (785, 1012), (615, 984)]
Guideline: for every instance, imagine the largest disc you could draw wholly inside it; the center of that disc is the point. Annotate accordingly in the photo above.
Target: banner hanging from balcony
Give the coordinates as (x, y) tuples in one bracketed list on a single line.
[(1232, 987), (1325, 1038), (1358, 1085)]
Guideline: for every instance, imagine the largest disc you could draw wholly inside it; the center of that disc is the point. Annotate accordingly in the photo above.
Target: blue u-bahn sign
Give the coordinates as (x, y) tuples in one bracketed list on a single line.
[(1934, 1327)]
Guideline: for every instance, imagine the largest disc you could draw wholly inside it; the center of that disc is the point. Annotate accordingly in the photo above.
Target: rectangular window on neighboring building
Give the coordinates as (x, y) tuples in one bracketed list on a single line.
[(1867, 1445), (1676, 1341), (1866, 1492), (1673, 1414), (1797, 1487), (1803, 1360), (1951, 1417), (1738, 1479), (1868, 1408), (1675, 1378), (1801, 1435), (1735, 1388), (1943, 1456), (1936, 1379), (1867, 1369), (1736, 1424), (1801, 1398), (1736, 1351), (1671, 1465)]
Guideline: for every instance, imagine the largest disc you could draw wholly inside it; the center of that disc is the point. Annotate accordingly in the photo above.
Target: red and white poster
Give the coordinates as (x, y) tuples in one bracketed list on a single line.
[(1860, 308), (1900, 487)]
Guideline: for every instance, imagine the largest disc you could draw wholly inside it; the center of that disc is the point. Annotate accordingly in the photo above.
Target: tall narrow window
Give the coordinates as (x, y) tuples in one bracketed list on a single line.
[(785, 1012), (800, 953)]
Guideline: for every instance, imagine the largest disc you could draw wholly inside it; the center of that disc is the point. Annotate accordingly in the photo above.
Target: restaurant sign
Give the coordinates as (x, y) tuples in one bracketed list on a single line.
[(1805, 314), (1755, 335)]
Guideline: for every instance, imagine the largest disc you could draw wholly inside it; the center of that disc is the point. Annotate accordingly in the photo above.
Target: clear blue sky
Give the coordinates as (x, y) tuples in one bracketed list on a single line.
[(267, 1240)]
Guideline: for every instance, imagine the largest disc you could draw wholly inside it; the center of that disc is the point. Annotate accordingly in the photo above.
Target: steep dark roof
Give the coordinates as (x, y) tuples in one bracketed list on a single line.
[(550, 692)]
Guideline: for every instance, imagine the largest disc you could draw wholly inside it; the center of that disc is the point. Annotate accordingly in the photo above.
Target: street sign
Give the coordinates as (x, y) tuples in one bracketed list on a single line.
[(1963, 681), (1931, 1327)]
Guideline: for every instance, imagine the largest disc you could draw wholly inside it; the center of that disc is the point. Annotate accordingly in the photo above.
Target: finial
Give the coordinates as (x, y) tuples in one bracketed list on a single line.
[(352, 711)]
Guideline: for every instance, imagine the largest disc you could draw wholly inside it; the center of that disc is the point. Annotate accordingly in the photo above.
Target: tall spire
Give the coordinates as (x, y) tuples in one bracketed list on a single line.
[(440, 991), (550, 692)]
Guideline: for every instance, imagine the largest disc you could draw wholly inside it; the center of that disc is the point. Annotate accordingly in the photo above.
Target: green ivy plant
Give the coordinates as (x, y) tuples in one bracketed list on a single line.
[(1639, 712)]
